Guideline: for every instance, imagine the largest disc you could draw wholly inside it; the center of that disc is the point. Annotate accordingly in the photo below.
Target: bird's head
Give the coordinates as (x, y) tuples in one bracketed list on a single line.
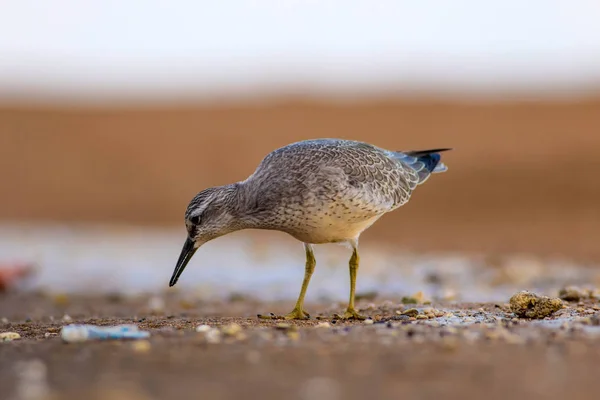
[(208, 216)]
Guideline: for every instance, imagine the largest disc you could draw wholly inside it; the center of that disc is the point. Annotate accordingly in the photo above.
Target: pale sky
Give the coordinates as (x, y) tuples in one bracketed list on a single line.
[(87, 48)]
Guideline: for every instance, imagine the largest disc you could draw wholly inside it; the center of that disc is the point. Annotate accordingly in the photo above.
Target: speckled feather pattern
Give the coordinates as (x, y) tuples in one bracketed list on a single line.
[(319, 191)]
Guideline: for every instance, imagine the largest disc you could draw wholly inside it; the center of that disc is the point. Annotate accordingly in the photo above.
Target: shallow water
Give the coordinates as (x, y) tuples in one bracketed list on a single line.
[(139, 260)]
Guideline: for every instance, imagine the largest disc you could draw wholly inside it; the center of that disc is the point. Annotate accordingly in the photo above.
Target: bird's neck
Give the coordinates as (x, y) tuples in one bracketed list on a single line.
[(240, 204), (243, 203)]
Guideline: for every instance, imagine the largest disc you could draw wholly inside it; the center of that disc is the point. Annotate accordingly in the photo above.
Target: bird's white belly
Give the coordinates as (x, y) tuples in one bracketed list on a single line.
[(332, 228)]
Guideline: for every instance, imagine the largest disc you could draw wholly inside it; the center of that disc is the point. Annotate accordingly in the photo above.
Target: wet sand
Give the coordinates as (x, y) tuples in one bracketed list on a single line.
[(480, 351)]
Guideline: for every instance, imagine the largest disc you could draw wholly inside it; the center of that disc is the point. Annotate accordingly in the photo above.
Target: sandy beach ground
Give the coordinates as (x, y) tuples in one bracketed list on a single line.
[(471, 351), (518, 209)]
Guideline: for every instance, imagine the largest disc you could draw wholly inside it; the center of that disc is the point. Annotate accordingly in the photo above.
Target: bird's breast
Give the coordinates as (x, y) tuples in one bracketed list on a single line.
[(329, 224)]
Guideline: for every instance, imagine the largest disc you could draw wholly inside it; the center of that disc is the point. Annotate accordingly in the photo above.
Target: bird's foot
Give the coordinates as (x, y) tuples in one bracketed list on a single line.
[(297, 313), (350, 314)]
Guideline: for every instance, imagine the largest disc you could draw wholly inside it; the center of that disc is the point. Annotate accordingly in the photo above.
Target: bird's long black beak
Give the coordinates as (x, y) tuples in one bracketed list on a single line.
[(186, 255)]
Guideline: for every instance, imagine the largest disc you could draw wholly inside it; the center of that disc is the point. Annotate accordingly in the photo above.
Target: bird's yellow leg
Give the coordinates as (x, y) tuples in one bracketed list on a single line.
[(351, 312), (298, 311)]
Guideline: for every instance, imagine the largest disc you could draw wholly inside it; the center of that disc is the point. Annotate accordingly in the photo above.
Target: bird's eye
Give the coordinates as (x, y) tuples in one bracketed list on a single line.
[(195, 219)]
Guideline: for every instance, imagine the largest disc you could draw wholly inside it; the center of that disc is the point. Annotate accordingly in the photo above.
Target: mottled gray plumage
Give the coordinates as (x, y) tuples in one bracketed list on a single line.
[(318, 191)]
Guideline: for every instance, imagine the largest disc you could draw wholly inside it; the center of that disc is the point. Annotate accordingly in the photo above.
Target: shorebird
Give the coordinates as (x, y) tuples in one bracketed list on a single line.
[(318, 191)]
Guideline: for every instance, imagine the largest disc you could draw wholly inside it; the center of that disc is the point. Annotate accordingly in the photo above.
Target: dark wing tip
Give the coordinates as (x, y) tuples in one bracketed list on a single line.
[(419, 153)]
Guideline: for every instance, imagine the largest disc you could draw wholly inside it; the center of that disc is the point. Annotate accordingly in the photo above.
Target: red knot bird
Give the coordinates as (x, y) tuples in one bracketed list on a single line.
[(318, 191)]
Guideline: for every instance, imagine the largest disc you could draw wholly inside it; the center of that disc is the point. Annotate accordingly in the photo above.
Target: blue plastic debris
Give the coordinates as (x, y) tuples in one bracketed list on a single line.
[(82, 332)]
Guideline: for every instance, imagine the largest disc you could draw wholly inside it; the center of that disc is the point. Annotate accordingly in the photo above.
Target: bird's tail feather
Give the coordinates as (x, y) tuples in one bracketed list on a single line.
[(425, 162)]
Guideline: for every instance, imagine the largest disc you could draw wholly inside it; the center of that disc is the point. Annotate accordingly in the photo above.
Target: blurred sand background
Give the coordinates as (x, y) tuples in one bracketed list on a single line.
[(522, 177)]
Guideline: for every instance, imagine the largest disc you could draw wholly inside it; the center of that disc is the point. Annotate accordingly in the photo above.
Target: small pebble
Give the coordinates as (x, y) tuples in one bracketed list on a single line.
[(530, 305), (210, 334), (50, 334), (9, 336), (323, 325), (213, 336), (141, 346), (234, 330), (203, 328), (411, 312), (368, 321), (231, 330), (420, 297), (571, 293)]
